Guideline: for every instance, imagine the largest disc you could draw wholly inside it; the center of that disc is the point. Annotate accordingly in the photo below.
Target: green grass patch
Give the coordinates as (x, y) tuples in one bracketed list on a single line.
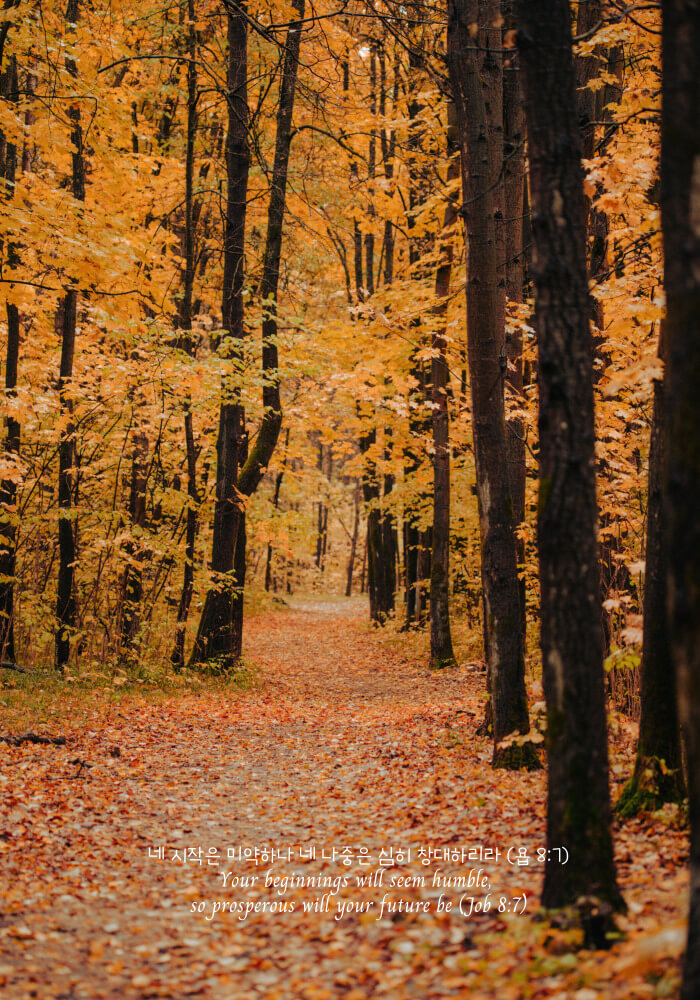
[(42, 700)]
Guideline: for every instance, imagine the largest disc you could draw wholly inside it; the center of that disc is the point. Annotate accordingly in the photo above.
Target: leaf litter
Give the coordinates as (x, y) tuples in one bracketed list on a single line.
[(343, 743)]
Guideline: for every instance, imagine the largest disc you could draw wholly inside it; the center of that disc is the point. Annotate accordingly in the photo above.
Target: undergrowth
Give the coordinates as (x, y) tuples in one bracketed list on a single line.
[(42, 699)]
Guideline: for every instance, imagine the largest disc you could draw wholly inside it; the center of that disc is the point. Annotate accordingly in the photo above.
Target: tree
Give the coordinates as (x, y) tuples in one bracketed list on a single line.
[(486, 350), (239, 471), (381, 548), (578, 801), (658, 769), (133, 574), (590, 111), (66, 606), (186, 342), (441, 652), (514, 183), (217, 636), (8, 487), (680, 219)]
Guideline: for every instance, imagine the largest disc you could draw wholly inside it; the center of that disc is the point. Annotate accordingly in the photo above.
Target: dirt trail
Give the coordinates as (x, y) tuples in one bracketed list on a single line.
[(344, 744)]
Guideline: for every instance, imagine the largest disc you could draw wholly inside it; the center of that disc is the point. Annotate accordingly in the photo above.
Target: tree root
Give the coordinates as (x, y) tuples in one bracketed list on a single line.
[(517, 756), (651, 786)]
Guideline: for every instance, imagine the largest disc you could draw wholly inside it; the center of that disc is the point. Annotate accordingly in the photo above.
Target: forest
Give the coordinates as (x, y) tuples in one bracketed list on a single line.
[(349, 464)]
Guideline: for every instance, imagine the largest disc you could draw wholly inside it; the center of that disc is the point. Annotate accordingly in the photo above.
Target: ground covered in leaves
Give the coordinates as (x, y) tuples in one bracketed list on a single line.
[(342, 744)]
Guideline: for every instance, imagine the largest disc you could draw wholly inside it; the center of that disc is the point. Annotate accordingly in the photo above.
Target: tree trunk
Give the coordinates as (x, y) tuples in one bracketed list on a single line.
[(321, 515), (485, 341), (221, 627), (371, 172), (441, 652), (380, 548), (353, 546), (613, 572), (363, 575), (417, 540), (275, 506), (65, 605), (514, 187), (8, 488), (680, 219), (266, 440), (216, 638), (578, 805), (658, 770), (177, 657), (133, 574)]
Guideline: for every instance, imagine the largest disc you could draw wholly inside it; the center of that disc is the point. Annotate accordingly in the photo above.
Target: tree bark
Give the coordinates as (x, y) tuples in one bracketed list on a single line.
[(353, 545), (441, 651), (680, 220), (321, 515), (371, 174), (133, 574), (586, 69), (578, 804), (658, 770), (380, 541), (275, 506), (417, 540), (177, 657), (504, 648), (8, 487), (380, 548), (266, 440), (216, 637), (514, 188), (220, 633), (66, 611)]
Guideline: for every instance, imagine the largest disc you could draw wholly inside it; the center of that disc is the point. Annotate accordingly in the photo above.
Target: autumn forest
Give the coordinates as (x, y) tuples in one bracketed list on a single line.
[(348, 473)]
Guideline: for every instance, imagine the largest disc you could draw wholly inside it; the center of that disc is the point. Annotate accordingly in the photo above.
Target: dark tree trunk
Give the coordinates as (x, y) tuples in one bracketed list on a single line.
[(417, 540), (353, 545), (133, 574), (216, 635), (441, 652), (380, 548), (275, 506), (613, 572), (266, 440), (371, 172), (185, 318), (363, 574), (193, 500), (8, 487), (360, 292), (177, 657), (388, 143), (505, 657), (411, 543), (321, 516), (578, 805), (680, 219), (658, 770), (220, 633), (65, 605), (514, 187)]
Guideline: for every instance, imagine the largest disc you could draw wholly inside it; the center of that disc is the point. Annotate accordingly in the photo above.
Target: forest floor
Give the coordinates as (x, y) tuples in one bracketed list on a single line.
[(341, 743)]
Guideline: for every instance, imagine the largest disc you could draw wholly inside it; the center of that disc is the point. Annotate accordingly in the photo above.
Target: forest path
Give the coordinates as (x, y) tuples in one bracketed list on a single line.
[(343, 744)]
